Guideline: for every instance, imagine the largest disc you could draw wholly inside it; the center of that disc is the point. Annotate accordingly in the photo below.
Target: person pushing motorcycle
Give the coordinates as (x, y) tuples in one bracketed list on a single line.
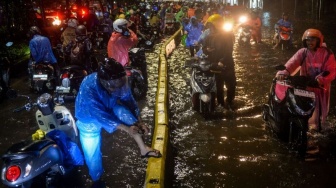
[(312, 60), (105, 101), (217, 44)]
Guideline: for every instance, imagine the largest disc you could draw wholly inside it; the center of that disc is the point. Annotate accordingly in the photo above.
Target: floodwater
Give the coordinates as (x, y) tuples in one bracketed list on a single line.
[(237, 149)]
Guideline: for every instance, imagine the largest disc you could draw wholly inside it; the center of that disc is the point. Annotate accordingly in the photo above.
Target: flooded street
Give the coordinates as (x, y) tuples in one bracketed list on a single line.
[(232, 149), (237, 149)]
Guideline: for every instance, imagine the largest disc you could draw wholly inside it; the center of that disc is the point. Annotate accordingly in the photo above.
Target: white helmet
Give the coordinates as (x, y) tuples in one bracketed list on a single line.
[(119, 25), (72, 22)]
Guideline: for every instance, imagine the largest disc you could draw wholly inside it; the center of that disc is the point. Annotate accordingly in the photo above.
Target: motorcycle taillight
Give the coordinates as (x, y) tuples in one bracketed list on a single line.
[(13, 173), (128, 72), (65, 75)]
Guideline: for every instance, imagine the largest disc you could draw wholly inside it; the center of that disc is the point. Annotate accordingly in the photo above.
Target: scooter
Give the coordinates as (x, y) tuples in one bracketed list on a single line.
[(284, 37), (290, 105), (52, 154), (5, 72), (244, 35), (203, 85), (42, 77), (71, 77), (137, 73)]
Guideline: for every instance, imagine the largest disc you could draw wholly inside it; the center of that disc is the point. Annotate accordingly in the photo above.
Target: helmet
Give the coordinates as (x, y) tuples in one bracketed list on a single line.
[(120, 25), (111, 74), (34, 30), (106, 14), (81, 30), (121, 16), (72, 22), (312, 33), (214, 18)]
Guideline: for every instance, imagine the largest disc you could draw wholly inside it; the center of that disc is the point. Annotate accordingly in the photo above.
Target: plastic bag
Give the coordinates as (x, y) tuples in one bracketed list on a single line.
[(183, 39), (71, 151)]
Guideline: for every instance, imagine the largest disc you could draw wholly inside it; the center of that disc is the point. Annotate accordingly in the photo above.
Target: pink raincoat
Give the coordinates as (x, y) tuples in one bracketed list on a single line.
[(314, 64), (119, 45)]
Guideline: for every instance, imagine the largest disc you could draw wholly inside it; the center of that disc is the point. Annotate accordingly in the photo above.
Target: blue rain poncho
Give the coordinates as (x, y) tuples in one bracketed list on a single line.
[(95, 108), (94, 105), (194, 32), (40, 50)]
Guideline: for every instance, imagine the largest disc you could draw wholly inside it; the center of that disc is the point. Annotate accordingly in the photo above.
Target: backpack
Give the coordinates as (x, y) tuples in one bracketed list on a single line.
[(77, 53)]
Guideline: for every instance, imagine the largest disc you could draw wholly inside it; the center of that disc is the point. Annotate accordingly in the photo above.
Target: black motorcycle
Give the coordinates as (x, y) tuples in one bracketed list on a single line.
[(290, 105), (42, 77), (137, 72), (5, 71), (102, 36), (202, 85), (151, 37)]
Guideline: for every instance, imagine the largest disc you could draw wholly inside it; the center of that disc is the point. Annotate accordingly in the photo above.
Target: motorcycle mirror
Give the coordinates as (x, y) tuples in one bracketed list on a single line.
[(11, 93), (8, 44), (280, 67)]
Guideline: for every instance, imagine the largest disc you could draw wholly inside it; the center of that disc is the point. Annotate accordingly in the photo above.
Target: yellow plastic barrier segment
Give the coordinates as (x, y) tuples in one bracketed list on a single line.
[(155, 174)]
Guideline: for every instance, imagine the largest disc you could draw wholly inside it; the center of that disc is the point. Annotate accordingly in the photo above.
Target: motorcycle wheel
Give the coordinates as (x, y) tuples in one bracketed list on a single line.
[(298, 138), (205, 109)]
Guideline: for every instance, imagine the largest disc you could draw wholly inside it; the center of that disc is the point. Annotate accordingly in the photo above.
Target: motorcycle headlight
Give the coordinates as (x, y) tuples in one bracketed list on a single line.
[(242, 19), (228, 26)]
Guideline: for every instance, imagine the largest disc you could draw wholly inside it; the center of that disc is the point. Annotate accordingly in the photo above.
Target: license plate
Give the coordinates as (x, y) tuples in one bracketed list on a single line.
[(40, 77), (61, 89), (304, 93)]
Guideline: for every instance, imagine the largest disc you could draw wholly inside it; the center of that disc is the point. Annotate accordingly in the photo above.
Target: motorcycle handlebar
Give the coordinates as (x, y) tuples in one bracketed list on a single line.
[(27, 107)]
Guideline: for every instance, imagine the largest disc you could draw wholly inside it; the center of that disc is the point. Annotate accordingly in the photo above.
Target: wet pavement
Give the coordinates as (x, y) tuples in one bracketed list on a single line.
[(230, 150)]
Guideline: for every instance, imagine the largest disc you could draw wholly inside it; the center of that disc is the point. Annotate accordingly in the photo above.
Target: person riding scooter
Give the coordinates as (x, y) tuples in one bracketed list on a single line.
[(283, 22)]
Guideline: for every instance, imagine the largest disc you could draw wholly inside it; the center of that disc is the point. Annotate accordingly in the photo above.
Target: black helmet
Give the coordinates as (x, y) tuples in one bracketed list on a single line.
[(110, 69), (33, 30), (81, 30), (111, 75)]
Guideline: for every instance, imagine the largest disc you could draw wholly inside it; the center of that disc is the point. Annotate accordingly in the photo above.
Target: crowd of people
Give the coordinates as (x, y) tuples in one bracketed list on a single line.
[(104, 100)]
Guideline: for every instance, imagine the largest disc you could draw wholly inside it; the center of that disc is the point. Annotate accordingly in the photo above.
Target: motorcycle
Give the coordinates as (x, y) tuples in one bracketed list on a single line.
[(5, 72), (102, 36), (244, 35), (147, 41), (284, 37), (52, 153), (137, 72), (203, 85), (290, 105), (71, 77), (42, 77)]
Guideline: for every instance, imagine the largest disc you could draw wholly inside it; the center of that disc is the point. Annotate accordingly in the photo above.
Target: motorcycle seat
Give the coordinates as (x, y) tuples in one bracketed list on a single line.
[(29, 146)]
